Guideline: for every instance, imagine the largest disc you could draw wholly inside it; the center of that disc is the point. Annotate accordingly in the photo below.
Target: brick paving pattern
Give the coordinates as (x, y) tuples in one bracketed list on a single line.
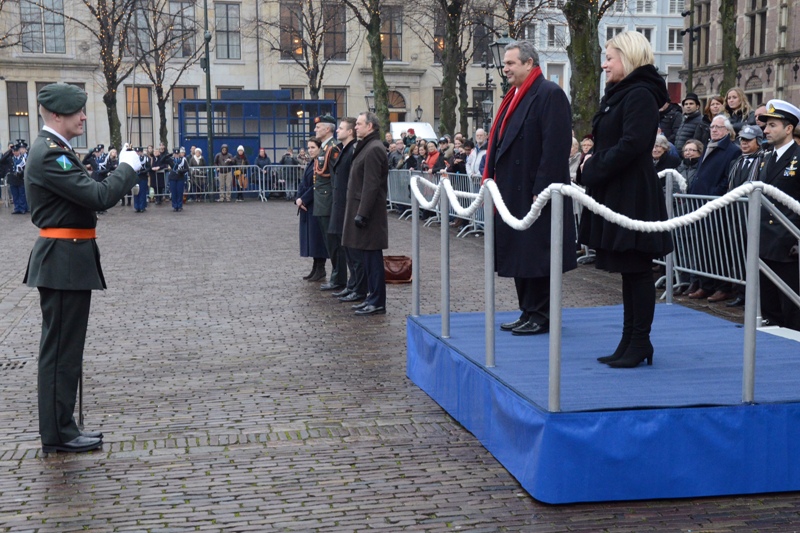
[(235, 396)]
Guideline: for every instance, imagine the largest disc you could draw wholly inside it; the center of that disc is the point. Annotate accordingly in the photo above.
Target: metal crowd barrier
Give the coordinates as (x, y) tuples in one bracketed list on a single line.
[(4, 191)]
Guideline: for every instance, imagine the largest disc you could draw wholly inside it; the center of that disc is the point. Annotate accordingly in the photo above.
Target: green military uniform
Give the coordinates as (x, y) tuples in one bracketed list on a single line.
[(323, 203), (62, 194)]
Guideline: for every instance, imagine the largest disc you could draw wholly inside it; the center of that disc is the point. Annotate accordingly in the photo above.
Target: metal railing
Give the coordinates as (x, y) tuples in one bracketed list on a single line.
[(717, 237)]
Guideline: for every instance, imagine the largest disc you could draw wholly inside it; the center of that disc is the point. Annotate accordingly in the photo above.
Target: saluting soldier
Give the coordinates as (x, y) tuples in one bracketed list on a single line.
[(16, 183), (778, 248), (65, 261), (323, 200)]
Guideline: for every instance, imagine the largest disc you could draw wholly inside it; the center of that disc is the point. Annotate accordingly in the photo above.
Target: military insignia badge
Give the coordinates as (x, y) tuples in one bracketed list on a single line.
[(64, 162)]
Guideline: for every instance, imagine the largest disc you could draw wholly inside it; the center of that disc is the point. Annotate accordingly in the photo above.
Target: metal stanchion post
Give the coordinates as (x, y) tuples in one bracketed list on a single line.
[(414, 253), (670, 259), (556, 266), (80, 400), (444, 209), (488, 268), (751, 295)]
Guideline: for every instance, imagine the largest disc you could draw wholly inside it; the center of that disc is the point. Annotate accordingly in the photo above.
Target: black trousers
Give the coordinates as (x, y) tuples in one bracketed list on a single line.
[(333, 243), (357, 282), (65, 317), (534, 298), (376, 277), (775, 306)]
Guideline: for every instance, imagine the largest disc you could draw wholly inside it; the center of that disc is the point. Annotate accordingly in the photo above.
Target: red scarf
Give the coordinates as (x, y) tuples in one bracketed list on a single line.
[(510, 101)]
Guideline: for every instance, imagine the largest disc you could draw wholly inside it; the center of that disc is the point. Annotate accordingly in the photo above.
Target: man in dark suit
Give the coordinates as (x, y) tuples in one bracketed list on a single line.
[(65, 262), (778, 248), (528, 150), (366, 224), (356, 288)]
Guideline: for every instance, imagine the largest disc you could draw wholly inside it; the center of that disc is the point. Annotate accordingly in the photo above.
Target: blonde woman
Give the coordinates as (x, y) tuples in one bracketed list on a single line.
[(620, 174), (739, 109)]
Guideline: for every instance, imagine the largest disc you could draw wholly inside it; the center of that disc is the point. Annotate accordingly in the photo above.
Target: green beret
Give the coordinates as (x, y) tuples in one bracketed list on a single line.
[(325, 119), (62, 98)]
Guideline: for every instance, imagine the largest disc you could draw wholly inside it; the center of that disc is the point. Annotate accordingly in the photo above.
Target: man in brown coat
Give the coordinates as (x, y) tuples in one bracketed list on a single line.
[(366, 225)]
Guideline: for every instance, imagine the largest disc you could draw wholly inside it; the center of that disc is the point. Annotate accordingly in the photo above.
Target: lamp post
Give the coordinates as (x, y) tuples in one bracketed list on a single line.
[(487, 106), (206, 65), (498, 52), (489, 86), (691, 31), (370, 99), (418, 113)]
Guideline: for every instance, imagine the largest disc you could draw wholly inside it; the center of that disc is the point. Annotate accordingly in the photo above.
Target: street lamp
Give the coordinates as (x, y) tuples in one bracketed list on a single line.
[(207, 68), (487, 106), (418, 113), (498, 49), (691, 30), (370, 99)]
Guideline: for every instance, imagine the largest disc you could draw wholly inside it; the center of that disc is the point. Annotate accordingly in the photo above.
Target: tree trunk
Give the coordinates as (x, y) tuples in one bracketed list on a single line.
[(380, 89), (161, 103), (451, 58), (110, 100), (730, 52), (463, 101), (584, 56)]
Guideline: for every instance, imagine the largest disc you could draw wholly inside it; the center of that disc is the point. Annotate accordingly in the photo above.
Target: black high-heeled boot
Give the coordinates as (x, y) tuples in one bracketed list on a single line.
[(320, 274), (313, 271), (627, 323), (643, 297)]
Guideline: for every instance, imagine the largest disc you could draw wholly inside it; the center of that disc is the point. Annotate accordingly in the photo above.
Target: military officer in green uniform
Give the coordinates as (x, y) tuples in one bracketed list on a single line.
[(323, 200), (65, 262)]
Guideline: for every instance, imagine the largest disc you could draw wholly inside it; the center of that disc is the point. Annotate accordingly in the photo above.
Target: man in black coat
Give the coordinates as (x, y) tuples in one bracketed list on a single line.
[(528, 150), (778, 247), (670, 118), (65, 261), (693, 126), (356, 288)]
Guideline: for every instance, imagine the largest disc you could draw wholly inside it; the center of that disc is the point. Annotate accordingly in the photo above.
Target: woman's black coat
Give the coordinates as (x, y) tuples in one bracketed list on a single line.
[(620, 174), (311, 242)]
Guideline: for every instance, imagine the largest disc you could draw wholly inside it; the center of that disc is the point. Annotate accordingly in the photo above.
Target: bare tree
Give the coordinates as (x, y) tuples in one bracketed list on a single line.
[(368, 15), (730, 52), (311, 33), (514, 16), (11, 35), (163, 45)]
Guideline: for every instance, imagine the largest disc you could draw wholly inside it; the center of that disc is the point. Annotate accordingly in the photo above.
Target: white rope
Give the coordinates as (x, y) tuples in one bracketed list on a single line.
[(677, 177), (575, 192)]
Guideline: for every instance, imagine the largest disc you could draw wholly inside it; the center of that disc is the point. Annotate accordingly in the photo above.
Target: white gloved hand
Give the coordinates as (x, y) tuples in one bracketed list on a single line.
[(130, 157)]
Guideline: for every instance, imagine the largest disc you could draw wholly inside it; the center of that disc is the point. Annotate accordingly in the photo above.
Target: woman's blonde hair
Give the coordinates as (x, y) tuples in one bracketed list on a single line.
[(634, 50), (744, 105)]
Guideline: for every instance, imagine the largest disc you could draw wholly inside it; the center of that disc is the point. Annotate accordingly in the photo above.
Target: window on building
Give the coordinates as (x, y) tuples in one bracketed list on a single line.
[(754, 91), (335, 40), (291, 31), (645, 6), (78, 142), (228, 37), (613, 31), (295, 93), (437, 108), (42, 26), (529, 32), (392, 33), (556, 36), (675, 40), (438, 35), (555, 4), (139, 109), (703, 23), (647, 32), (17, 99), (339, 95), (481, 40), (140, 41), (756, 27), (178, 95), (676, 7), (181, 12), (619, 7), (222, 88)]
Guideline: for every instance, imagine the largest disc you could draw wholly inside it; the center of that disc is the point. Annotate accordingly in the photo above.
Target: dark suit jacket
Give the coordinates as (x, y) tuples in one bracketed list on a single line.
[(776, 242), (340, 178), (532, 154), (62, 194)]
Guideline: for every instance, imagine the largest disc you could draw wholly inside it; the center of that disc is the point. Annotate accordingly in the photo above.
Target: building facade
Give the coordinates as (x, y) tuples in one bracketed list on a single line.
[(245, 55)]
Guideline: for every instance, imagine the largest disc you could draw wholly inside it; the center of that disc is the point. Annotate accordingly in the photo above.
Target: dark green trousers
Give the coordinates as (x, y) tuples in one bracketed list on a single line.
[(65, 316)]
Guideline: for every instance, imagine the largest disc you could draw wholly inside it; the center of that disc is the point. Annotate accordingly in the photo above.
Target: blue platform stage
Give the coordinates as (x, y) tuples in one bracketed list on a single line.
[(672, 430)]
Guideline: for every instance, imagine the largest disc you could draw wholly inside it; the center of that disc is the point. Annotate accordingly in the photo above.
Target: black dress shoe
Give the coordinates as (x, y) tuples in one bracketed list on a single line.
[(531, 328), (343, 292), (76, 445), (736, 302), (508, 326), (352, 297), (92, 434), (371, 310), (359, 306), (330, 287)]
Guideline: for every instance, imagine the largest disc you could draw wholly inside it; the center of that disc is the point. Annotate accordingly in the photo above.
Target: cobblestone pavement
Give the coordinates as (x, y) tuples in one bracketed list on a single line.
[(235, 396)]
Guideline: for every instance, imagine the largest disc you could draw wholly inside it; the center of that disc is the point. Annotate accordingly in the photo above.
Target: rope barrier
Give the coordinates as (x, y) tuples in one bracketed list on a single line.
[(575, 192)]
